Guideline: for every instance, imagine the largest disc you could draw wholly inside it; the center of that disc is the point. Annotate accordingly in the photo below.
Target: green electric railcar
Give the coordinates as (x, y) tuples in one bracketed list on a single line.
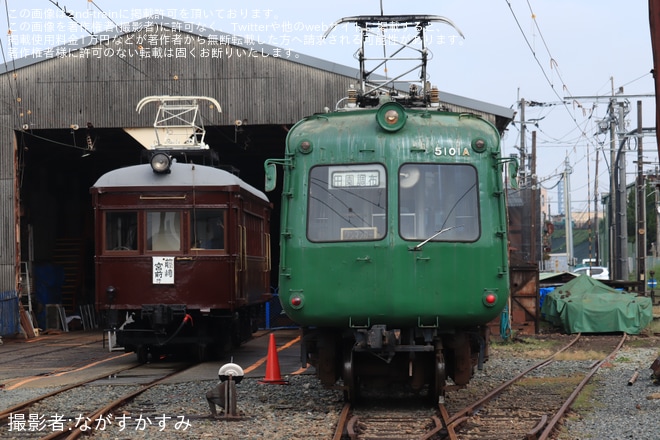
[(393, 241)]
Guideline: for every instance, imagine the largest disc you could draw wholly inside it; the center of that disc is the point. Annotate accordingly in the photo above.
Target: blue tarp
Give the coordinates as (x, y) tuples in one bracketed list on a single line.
[(9, 313), (48, 281), (543, 292)]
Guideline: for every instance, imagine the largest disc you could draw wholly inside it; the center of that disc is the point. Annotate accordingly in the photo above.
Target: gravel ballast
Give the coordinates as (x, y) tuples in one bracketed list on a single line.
[(305, 410)]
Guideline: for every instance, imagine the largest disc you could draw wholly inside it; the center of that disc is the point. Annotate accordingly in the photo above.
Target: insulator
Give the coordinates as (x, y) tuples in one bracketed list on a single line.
[(435, 97)]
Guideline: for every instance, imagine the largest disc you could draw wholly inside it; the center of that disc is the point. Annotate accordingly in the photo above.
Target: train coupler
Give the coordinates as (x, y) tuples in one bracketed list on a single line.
[(378, 340), (163, 314)]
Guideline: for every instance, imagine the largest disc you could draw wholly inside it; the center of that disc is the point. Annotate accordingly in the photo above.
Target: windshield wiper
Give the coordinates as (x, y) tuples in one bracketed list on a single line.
[(419, 246)]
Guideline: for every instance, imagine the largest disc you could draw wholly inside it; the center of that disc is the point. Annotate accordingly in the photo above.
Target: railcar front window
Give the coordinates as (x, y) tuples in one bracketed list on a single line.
[(163, 231), (347, 203), (437, 197), (207, 229), (121, 231)]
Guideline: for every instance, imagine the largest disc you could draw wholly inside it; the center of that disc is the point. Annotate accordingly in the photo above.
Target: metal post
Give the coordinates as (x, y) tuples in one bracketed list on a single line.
[(657, 214), (614, 273), (568, 216), (621, 203), (595, 227), (536, 214), (523, 151), (641, 208)]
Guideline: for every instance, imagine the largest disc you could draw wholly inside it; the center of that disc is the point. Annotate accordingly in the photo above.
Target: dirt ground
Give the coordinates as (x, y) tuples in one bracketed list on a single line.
[(588, 345)]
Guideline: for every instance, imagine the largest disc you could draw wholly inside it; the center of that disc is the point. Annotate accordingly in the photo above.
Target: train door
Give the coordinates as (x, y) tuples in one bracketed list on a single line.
[(439, 217), (252, 265)]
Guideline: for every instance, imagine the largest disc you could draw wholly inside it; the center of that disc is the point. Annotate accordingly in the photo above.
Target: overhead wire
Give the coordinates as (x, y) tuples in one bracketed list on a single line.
[(555, 66), (538, 61)]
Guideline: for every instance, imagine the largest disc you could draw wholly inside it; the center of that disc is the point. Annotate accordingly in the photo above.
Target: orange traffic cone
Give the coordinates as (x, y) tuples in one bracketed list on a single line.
[(273, 365)]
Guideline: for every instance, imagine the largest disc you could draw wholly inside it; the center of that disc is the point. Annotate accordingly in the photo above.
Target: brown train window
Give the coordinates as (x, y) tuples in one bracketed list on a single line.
[(207, 229), (121, 230), (163, 231)]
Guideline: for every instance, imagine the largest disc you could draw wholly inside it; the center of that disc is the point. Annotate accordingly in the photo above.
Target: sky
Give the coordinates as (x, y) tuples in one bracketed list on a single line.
[(567, 57)]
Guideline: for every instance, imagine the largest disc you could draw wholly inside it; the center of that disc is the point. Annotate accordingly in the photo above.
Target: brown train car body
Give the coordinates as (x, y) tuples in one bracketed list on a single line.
[(182, 258)]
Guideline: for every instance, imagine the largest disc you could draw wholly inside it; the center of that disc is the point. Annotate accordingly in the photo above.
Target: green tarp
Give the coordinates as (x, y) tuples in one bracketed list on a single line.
[(585, 305)]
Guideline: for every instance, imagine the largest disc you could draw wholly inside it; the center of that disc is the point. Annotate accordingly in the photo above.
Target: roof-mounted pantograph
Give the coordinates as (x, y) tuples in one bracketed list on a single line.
[(375, 27), (178, 123)]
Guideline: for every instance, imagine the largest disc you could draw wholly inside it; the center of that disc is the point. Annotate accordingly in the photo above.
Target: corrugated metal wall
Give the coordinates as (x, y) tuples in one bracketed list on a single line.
[(104, 90), (103, 83), (8, 228)]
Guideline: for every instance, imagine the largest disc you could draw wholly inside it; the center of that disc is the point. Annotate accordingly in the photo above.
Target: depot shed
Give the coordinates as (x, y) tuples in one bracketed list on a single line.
[(65, 113)]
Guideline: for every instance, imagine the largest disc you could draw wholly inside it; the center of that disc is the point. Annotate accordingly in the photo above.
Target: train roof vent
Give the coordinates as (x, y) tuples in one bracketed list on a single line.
[(178, 124), (401, 42)]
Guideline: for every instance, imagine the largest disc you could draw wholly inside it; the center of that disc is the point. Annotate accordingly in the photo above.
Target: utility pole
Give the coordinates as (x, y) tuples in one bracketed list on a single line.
[(657, 212), (613, 195), (523, 151), (595, 243), (567, 210), (536, 213), (641, 208), (616, 213), (621, 245)]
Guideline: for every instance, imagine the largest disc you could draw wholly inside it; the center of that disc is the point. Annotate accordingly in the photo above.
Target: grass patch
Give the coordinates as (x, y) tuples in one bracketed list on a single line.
[(644, 340), (563, 381), (653, 327), (581, 355), (585, 401), (530, 348)]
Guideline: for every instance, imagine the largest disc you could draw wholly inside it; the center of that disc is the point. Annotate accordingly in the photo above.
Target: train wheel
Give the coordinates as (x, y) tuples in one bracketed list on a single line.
[(437, 386), (351, 380), (142, 354), (202, 352)]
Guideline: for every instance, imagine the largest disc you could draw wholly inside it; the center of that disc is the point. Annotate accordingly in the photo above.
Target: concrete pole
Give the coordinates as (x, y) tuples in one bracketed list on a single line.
[(622, 201), (569, 215), (614, 274), (641, 208)]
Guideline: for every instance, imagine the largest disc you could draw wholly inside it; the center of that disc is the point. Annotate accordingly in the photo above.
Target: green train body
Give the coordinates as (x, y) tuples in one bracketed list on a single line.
[(351, 250), (393, 240)]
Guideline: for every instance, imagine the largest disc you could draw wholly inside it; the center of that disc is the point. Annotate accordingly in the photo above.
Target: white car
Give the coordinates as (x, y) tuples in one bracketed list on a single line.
[(595, 272)]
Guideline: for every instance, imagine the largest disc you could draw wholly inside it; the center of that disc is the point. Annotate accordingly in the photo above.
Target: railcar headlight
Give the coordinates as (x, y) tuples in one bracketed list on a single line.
[(490, 298), (391, 116), (479, 145), (305, 147), (297, 301), (161, 163), (110, 294)]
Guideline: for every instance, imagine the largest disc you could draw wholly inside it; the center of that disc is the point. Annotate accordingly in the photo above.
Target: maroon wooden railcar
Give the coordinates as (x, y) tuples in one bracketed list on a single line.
[(182, 258)]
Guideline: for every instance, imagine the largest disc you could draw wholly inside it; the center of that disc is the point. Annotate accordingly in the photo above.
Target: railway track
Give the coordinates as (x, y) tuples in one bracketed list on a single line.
[(25, 362), (528, 406), (391, 420), (48, 344), (48, 416), (394, 420)]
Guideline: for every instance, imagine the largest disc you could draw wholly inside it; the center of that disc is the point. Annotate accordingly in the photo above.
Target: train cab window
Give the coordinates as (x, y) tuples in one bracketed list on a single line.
[(347, 203), (207, 229), (121, 231), (163, 231), (438, 197)]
